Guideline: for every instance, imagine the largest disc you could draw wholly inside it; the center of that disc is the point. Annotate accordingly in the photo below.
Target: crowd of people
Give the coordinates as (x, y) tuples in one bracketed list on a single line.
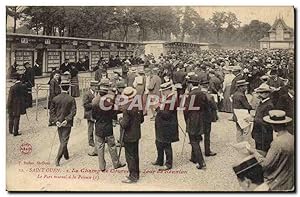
[(258, 83)]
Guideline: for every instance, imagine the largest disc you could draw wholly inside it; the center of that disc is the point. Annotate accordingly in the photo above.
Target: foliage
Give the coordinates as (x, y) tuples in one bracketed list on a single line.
[(138, 23)]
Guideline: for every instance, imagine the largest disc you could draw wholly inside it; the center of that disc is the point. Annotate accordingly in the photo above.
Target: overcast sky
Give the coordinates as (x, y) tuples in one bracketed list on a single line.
[(245, 14)]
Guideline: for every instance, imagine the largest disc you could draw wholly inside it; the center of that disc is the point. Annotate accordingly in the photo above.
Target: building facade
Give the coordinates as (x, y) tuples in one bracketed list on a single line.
[(50, 51), (159, 47), (280, 36)]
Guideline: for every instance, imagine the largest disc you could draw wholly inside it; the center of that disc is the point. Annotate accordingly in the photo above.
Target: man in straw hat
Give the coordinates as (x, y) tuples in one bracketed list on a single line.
[(131, 125), (239, 101), (103, 113), (262, 132), (87, 105), (278, 164), (62, 113), (166, 126), (286, 102)]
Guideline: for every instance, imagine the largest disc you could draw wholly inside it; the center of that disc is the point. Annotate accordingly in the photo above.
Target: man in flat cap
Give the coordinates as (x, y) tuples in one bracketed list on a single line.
[(87, 105), (62, 113)]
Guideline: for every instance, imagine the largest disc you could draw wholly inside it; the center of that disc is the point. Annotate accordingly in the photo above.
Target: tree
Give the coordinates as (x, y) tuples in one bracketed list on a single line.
[(218, 21), (16, 13), (189, 18), (233, 24), (253, 32)]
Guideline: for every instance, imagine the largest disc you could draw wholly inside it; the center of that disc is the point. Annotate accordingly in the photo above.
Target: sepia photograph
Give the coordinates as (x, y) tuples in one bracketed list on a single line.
[(150, 98)]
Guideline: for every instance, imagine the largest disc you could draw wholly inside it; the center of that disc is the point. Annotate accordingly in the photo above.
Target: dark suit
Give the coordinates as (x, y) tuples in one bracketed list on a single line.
[(239, 101), (262, 132), (87, 105), (166, 131), (130, 79), (287, 104), (16, 106), (233, 87), (210, 116), (98, 74), (63, 107), (54, 90), (179, 77), (29, 81), (195, 122), (63, 67), (131, 123), (202, 76), (104, 132)]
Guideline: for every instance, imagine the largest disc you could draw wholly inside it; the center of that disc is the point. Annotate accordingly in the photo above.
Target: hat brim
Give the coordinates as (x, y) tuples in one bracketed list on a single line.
[(262, 90), (242, 84), (64, 84), (162, 89), (268, 120), (132, 95)]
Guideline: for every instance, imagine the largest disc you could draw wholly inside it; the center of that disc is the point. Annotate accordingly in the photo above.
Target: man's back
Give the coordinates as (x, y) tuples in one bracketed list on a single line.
[(63, 107)]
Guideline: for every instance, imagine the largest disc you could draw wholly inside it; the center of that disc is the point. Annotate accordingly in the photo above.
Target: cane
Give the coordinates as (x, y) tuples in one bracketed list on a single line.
[(51, 146), (29, 122), (183, 139), (121, 142)]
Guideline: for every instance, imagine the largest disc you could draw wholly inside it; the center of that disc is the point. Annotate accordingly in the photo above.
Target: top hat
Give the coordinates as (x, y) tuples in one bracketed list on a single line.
[(241, 83), (277, 117), (263, 88), (165, 86), (129, 92)]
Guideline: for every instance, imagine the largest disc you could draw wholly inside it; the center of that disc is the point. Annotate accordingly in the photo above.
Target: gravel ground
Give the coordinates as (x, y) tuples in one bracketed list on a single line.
[(79, 173)]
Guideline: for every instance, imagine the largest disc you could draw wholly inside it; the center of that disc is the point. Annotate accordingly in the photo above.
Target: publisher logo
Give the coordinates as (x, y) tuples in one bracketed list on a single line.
[(25, 148)]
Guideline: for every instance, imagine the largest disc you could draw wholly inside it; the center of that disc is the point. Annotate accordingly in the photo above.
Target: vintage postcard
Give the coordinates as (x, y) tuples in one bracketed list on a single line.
[(150, 98)]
